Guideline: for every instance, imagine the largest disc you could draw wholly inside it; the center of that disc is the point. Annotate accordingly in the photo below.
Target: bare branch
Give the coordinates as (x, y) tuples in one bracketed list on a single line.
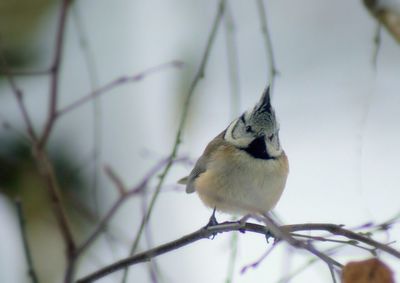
[(47, 172), (199, 75), (20, 99), (258, 261), (115, 83), (91, 70), (55, 73), (283, 233), (28, 255), (377, 45), (116, 180), (268, 43), (203, 233), (121, 199), (340, 231), (233, 61)]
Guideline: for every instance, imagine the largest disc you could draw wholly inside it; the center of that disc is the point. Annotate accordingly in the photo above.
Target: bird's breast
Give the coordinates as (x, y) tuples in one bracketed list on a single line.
[(236, 182)]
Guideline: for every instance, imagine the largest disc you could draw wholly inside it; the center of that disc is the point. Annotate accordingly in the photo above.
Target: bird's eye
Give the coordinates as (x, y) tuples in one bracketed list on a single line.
[(249, 129), (271, 137)]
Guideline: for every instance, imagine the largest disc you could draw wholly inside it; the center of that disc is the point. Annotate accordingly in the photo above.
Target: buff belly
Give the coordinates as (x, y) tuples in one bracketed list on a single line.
[(244, 185)]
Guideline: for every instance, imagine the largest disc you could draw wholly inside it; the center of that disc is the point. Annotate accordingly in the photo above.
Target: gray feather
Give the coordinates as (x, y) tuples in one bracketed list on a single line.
[(200, 167), (201, 164)]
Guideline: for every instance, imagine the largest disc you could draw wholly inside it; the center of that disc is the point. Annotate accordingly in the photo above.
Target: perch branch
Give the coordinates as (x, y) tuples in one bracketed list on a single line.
[(207, 232)]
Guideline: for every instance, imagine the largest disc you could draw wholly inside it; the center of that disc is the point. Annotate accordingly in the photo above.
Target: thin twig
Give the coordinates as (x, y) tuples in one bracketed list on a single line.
[(121, 199), (233, 62), (234, 241), (44, 166), (20, 99), (115, 83), (279, 232), (258, 261), (340, 231), (91, 70), (286, 278), (55, 73), (152, 266), (234, 82), (116, 180), (268, 44), (199, 75), (46, 170), (28, 255), (345, 242), (377, 45)]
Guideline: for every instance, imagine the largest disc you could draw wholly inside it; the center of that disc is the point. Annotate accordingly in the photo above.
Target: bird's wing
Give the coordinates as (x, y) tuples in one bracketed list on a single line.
[(199, 168), (201, 164)]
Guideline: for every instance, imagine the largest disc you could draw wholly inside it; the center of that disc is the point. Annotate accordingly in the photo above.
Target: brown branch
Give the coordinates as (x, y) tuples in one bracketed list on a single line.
[(115, 83), (139, 188), (283, 234), (20, 99), (268, 43), (55, 73), (258, 261), (199, 75), (116, 180), (338, 230), (28, 255), (47, 172), (207, 232)]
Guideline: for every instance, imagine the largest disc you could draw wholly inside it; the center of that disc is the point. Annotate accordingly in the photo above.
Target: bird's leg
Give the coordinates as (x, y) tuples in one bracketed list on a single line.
[(213, 221)]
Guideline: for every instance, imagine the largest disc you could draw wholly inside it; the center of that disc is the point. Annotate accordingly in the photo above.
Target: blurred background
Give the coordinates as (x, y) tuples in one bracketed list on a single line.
[(337, 101)]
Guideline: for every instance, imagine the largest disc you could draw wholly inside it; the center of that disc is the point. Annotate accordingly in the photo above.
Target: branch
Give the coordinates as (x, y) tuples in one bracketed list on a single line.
[(31, 269), (44, 166), (283, 234), (207, 232), (55, 73), (20, 99), (233, 61), (47, 172), (115, 83), (123, 196), (377, 45), (338, 230), (268, 43), (90, 64), (203, 233), (258, 261), (199, 75)]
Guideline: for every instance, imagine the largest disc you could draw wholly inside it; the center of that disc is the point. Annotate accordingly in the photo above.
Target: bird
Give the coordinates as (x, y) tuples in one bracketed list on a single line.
[(243, 170)]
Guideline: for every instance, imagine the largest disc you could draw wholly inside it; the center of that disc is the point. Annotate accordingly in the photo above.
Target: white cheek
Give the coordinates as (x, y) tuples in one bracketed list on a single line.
[(238, 142), (274, 151), (242, 142)]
